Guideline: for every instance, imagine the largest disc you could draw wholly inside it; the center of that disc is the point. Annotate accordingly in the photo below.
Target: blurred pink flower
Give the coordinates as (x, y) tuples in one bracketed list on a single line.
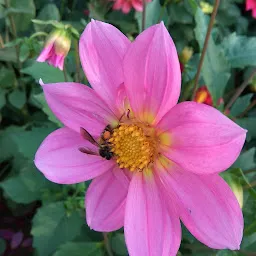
[(251, 5), (126, 5), (55, 49), (166, 156)]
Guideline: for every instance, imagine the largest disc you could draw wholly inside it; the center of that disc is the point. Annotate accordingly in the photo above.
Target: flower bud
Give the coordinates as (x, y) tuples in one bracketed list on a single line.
[(56, 48), (206, 7), (203, 96), (186, 54), (238, 191)]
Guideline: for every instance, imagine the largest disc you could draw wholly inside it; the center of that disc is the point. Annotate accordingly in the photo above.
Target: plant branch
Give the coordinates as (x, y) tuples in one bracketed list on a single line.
[(249, 171), (250, 185), (206, 41), (143, 21), (240, 90), (78, 75), (107, 245), (65, 73), (252, 104), (14, 32)]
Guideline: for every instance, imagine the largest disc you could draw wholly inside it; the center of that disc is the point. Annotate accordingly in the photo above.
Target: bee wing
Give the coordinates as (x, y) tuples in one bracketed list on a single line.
[(87, 151), (86, 135)]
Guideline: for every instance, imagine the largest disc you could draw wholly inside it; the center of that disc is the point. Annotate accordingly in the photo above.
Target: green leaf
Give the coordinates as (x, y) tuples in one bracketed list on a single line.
[(2, 246), (7, 77), (178, 14), (23, 11), (41, 99), (241, 104), (248, 123), (249, 242), (8, 54), (26, 187), (246, 160), (49, 12), (7, 145), (227, 253), (2, 98), (251, 189), (118, 244), (17, 98), (250, 229), (240, 51), (52, 228), (153, 14), (80, 249), (29, 141), (45, 72), (24, 52), (215, 70)]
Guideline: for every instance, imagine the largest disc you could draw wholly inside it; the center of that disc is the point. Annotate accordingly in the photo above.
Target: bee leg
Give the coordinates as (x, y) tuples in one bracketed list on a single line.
[(128, 113)]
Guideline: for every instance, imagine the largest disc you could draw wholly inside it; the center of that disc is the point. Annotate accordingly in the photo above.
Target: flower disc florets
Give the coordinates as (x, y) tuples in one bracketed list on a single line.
[(134, 146)]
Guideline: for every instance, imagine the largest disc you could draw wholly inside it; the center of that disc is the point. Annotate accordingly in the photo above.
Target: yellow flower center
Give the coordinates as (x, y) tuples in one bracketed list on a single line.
[(134, 146)]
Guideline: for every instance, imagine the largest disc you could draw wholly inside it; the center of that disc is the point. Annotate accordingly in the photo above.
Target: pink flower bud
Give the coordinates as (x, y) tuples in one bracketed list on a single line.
[(56, 49)]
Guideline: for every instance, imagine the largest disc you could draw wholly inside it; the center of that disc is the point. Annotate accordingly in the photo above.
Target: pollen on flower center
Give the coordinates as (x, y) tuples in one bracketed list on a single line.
[(134, 146)]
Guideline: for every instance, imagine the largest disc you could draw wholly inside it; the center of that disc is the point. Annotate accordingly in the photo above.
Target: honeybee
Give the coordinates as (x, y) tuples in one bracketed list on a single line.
[(104, 144)]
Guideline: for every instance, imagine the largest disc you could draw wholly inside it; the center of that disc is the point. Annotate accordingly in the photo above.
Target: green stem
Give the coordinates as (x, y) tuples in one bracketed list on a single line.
[(65, 73), (14, 32), (208, 35), (39, 33), (107, 245), (1, 42), (240, 90), (143, 21)]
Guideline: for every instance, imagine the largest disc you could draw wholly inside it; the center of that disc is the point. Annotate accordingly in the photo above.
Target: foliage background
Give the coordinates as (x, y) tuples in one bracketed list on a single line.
[(51, 216)]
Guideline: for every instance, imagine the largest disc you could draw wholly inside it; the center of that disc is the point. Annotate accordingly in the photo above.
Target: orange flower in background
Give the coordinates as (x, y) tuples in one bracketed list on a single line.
[(203, 96)]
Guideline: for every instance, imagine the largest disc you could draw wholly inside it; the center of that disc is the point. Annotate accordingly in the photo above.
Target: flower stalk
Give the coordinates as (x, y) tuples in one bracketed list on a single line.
[(14, 32), (107, 245), (208, 34), (240, 90), (143, 21)]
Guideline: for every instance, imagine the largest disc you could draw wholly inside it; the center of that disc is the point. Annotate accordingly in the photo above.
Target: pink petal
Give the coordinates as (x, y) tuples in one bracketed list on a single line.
[(117, 5), (148, 228), (250, 4), (27, 242), (152, 73), (77, 105), (105, 201), (16, 240), (137, 5), (208, 207), (59, 159), (60, 61), (6, 234), (126, 7), (202, 139), (254, 12), (46, 53), (102, 48)]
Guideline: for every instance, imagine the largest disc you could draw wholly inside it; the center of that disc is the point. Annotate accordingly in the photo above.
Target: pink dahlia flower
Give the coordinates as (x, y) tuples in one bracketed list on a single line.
[(251, 5), (56, 49), (154, 162), (126, 5)]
